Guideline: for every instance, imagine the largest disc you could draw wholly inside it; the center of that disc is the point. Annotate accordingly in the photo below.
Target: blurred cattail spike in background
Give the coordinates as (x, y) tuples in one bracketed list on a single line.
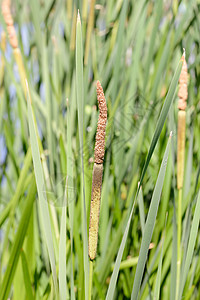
[(183, 95), (6, 12)]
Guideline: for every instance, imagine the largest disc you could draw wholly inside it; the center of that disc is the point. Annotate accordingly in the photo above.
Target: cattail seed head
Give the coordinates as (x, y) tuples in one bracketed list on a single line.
[(183, 93), (97, 173), (6, 12), (94, 209), (101, 127)]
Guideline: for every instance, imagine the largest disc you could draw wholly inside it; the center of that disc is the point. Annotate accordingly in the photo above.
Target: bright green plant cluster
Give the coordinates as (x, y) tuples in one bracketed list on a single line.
[(48, 122)]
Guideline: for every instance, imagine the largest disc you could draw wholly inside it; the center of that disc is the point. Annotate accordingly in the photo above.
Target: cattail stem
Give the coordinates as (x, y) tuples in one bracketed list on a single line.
[(90, 280), (97, 173), (180, 159), (179, 239)]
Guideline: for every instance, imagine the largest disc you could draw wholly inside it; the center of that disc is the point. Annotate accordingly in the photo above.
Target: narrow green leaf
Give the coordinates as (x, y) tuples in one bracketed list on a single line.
[(160, 67), (70, 192), (119, 45), (48, 102), (41, 188), (18, 243), (162, 118), (27, 280), (158, 277), (147, 231), (62, 251), (80, 104), (149, 225), (157, 16), (141, 209), (23, 174), (163, 115), (113, 280), (174, 256)]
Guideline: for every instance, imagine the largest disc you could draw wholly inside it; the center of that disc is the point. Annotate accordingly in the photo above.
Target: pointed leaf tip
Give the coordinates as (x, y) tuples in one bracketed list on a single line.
[(26, 83), (183, 56), (78, 17), (184, 52)]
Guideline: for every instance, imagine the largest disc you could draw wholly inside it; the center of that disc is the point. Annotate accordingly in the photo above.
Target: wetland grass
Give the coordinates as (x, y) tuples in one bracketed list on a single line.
[(66, 249)]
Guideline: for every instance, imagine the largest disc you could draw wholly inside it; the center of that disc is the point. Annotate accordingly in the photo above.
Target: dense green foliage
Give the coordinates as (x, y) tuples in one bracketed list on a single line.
[(47, 147)]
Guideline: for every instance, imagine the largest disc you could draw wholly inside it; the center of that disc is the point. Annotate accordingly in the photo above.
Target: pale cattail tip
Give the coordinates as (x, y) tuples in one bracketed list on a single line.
[(183, 56), (78, 17), (184, 52), (99, 87), (183, 93)]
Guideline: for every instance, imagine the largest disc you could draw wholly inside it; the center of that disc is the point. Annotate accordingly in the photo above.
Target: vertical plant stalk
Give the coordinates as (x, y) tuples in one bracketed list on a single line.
[(97, 173), (6, 12), (80, 106), (183, 95), (90, 281), (85, 9)]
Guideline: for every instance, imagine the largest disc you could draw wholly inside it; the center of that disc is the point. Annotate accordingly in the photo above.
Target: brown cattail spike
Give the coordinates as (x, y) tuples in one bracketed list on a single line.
[(97, 173), (183, 94), (100, 136)]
